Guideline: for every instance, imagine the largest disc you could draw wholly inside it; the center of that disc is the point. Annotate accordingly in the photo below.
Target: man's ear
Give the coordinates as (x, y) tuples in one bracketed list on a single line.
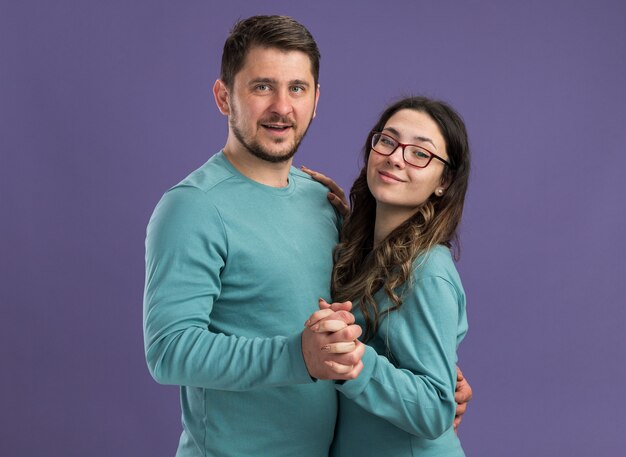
[(220, 92), (317, 97)]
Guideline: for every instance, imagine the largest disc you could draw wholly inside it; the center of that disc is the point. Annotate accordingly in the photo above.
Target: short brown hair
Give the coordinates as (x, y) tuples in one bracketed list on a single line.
[(281, 32)]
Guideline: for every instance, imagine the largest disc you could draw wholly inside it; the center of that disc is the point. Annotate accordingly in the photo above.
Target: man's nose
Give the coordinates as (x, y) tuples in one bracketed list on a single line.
[(281, 104)]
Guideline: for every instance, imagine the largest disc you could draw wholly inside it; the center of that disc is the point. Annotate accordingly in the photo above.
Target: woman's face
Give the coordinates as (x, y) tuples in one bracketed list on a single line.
[(396, 185)]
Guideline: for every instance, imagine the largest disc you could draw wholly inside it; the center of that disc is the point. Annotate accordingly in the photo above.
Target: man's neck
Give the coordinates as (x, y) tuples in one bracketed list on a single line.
[(259, 170)]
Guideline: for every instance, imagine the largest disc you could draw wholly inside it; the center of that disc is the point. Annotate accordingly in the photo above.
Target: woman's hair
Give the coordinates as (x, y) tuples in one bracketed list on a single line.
[(360, 270)]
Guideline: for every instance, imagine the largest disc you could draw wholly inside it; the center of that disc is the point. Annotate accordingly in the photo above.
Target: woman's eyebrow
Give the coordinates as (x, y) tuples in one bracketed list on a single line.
[(420, 139)]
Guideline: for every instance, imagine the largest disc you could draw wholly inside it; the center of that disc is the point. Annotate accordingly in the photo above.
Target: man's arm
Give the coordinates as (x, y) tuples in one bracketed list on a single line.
[(186, 249)]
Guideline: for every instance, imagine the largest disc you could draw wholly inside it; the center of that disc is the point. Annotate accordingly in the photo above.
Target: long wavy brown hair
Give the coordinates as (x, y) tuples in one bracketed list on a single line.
[(361, 269)]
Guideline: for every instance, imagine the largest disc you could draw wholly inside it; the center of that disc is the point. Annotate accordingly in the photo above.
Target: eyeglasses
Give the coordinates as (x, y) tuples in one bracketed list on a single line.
[(412, 154)]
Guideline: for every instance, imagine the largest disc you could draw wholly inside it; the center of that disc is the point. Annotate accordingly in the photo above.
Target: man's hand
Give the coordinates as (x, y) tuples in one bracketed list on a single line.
[(336, 196), (462, 396), (329, 344)]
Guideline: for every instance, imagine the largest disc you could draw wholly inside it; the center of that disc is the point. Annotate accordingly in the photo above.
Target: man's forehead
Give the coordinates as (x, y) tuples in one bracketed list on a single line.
[(275, 63)]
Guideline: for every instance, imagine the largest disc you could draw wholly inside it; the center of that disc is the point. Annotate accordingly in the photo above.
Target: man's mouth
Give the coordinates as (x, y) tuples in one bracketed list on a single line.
[(277, 127)]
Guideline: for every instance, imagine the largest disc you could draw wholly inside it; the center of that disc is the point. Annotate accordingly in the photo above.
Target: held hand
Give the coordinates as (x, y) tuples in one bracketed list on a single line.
[(326, 312), (462, 396), (330, 347), (324, 321), (336, 306), (336, 196), (344, 367)]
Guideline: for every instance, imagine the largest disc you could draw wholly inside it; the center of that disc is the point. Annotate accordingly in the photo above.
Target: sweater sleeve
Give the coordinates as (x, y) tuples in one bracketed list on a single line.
[(186, 250), (416, 392)]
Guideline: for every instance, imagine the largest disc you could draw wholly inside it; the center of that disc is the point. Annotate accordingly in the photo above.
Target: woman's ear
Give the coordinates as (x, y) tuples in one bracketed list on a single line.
[(444, 183)]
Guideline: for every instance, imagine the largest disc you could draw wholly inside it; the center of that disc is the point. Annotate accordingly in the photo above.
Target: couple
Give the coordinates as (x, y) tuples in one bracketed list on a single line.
[(240, 251)]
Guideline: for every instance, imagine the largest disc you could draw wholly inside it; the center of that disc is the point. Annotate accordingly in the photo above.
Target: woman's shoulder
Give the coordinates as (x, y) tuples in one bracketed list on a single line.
[(437, 262), (434, 277)]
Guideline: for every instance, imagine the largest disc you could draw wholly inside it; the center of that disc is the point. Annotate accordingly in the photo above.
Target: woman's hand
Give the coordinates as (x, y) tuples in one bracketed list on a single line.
[(336, 196)]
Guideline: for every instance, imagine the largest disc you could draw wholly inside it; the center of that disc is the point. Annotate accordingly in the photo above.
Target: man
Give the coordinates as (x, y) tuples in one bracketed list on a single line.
[(238, 253)]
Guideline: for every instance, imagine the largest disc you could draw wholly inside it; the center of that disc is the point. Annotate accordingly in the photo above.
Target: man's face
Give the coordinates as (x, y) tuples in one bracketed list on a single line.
[(272, 103)]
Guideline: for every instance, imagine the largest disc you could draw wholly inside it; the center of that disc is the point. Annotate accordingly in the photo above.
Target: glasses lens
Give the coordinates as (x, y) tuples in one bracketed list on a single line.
[(416, 156), (383, 144)]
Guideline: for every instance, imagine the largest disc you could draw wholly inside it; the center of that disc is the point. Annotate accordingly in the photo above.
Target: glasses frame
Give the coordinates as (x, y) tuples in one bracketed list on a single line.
[(373, 133)]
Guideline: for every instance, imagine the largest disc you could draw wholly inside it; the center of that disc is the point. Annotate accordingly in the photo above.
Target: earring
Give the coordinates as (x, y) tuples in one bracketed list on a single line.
[(439, 192)]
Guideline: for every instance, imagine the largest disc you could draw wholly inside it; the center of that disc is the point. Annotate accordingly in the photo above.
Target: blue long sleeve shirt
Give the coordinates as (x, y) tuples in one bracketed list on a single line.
[(233, 269), (402, 403)]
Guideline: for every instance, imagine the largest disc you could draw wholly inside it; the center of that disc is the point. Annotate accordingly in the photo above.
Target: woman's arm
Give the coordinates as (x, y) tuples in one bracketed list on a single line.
[(463, 392), (416, 392)]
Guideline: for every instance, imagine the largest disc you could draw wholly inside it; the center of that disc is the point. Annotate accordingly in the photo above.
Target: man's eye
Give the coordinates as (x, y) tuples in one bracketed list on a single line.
[(297, 89), (262, 87)]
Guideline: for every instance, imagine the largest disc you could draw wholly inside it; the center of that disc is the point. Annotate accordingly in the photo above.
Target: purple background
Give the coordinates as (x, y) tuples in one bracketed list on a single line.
[(104, 105)]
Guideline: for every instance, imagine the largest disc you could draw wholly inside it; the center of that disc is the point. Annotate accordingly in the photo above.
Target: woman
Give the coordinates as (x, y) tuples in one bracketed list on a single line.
[(394, 262)]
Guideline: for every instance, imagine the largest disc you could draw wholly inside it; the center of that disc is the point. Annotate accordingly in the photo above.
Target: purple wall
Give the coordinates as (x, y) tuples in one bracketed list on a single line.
[(104, 105)]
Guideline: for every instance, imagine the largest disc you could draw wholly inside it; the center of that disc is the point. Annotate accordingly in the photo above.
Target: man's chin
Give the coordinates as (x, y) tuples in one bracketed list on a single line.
[(269, 150), (273, 156)]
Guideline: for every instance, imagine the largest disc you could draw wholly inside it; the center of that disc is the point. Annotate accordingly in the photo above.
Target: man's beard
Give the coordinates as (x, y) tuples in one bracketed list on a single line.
[(257, 150)]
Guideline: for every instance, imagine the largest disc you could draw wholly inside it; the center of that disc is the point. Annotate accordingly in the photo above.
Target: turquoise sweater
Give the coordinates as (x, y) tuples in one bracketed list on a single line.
[(402, 403), (233, 269)]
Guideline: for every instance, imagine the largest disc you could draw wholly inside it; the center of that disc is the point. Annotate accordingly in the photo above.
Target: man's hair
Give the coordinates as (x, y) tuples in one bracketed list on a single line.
[(280, 32)]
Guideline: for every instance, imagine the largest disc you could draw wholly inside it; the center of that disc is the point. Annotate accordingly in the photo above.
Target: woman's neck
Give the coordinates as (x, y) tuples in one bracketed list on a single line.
[(388, 218)]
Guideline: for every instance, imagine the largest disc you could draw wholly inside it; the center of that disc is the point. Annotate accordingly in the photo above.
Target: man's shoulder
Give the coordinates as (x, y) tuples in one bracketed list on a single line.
[(207, 177), (194, 196), (306, 182)]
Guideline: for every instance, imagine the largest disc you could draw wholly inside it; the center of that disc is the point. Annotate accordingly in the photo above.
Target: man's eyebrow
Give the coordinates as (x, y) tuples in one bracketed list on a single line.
[(419, 139), (297, 82), (262, 81)]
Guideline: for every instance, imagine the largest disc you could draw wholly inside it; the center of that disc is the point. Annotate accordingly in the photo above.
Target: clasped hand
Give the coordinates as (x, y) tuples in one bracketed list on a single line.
[(330, 346)]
